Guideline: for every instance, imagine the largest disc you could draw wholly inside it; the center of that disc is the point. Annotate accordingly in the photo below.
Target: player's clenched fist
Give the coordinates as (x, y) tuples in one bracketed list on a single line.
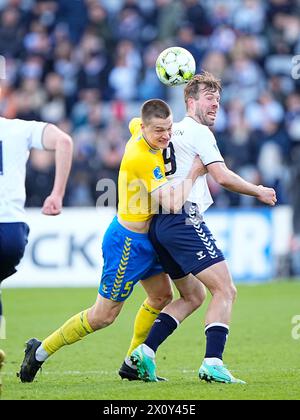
[(52, 205), (267, 195)]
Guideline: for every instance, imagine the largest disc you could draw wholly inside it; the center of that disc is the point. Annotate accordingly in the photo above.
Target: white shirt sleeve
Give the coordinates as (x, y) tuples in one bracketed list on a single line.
[(35, 137), (206, 146)]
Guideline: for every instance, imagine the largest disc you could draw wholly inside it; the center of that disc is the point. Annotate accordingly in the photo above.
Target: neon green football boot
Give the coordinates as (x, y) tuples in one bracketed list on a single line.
[(145, 365), (217, 374)]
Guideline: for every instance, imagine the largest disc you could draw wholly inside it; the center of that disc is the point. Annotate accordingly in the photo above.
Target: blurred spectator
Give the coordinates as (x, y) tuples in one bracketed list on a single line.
[(197, 16), (99, 24), (11, 32), (123, 77), (94, 64), (54, 110), (170, 15), (129, 22), (249, 17), (265, 109), (186, 39), (87, 64), (37, 40), (150, 86), (39, 181), (74, 15)]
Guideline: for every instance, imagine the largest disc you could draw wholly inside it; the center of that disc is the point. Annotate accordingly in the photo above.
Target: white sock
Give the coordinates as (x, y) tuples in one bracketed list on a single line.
[(148, 351), (41, 355), (213, 361)]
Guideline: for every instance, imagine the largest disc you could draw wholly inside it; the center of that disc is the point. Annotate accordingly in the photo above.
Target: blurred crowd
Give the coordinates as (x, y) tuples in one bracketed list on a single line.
[(87, 65)]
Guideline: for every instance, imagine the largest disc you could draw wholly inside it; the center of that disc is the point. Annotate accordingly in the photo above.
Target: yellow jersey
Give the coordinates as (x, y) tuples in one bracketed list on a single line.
[(141, 172)]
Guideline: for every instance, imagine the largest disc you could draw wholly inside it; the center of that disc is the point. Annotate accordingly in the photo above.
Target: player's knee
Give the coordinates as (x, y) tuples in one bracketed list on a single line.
[(167, 297), (230, 293), (159, 302), (233, 293), (99, 320), (108, 320)]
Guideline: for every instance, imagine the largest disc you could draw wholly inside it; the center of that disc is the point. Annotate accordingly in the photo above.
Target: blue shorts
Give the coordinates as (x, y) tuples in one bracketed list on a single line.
[(13, 240), (183, 242), (128, 257)]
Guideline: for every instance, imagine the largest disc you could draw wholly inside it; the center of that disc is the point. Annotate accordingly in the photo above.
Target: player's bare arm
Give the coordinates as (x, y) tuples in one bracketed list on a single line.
[(233, 182), (173, 198), (55, 139)]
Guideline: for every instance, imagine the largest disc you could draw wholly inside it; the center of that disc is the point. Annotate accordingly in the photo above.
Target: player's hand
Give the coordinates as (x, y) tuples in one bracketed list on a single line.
[(199, 166), (267, 195), (52, 205)]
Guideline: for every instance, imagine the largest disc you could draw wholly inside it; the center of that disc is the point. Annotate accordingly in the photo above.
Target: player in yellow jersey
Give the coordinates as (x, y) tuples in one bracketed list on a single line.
[(127, 252)]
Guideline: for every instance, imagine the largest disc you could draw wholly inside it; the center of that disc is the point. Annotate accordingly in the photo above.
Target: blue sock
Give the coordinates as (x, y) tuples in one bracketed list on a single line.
[(216, 336), (163, 326)]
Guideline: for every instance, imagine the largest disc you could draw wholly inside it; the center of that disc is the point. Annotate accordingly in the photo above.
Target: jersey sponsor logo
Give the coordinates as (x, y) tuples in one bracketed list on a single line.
[(157, 173), (178, 133)]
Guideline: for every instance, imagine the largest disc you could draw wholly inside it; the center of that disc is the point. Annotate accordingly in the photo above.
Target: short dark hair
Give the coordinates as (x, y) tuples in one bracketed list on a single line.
[(210, 82), (155, 108)]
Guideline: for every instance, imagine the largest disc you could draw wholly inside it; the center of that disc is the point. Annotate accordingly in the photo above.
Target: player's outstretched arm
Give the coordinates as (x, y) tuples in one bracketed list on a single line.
[(233, 182), (55, 139)]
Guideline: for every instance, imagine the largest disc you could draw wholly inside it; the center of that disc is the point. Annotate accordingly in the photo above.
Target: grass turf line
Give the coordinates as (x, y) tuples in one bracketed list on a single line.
[(260, 349)]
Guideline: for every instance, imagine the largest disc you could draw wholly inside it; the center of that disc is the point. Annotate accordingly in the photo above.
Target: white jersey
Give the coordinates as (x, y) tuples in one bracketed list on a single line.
[(189, 139), (17, 137)]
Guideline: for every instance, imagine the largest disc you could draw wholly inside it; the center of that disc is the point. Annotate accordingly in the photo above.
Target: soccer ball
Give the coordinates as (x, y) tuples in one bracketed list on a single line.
[(175, 66)]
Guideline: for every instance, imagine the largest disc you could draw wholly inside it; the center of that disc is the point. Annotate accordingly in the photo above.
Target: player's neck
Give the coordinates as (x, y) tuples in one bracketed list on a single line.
[(194, 117), (197, 119)]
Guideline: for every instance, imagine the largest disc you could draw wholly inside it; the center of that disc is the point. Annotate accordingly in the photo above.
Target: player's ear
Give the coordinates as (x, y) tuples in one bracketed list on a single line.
[(190, 103)]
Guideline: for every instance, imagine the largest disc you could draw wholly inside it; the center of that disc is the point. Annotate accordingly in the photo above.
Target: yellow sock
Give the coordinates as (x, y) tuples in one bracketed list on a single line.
[(73, 330), (143, 322)]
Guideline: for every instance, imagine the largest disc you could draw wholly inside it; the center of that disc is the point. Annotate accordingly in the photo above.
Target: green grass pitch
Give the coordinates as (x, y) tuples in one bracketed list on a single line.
[(260, 349)]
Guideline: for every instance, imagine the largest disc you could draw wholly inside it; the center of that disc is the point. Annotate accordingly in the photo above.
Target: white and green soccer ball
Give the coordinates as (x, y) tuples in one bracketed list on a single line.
[(175, 66)]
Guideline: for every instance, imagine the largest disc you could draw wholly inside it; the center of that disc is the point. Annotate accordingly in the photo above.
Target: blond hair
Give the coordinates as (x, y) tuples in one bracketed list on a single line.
[(206, 79)]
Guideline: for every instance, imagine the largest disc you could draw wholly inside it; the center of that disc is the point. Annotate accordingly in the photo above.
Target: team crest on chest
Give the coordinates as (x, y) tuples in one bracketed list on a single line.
[(157, 173)]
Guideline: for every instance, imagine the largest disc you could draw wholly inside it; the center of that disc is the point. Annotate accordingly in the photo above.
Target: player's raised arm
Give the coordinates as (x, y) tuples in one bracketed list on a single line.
[(171, 198), (55, 139), (233, 182)]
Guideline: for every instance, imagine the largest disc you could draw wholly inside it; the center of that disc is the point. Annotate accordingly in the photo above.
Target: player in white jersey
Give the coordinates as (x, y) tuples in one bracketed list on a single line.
[(17, 138), (184, 244)]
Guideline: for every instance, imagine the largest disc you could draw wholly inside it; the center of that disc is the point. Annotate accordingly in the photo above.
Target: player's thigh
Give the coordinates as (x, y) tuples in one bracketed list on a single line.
[(158, 286), (217, 278), (128, 257), (13, 240)]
